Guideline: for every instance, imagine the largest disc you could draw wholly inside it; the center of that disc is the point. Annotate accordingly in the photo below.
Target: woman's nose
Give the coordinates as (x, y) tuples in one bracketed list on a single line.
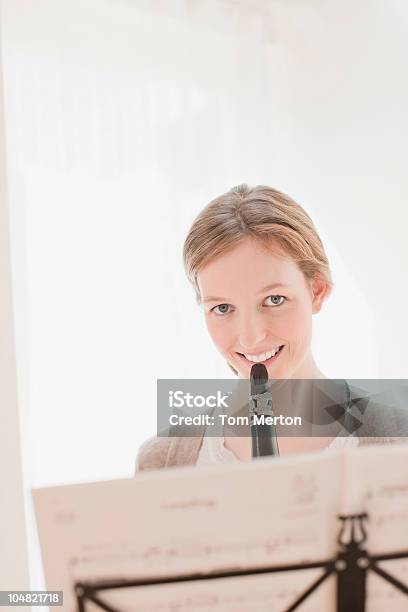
[(252, 332)]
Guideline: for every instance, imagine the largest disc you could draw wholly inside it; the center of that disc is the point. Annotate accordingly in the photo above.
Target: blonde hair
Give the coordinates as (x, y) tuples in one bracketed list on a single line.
[(264, 214)]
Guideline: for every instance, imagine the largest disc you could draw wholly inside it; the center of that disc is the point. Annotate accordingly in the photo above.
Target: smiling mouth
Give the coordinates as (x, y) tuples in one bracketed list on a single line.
[(266, 362)]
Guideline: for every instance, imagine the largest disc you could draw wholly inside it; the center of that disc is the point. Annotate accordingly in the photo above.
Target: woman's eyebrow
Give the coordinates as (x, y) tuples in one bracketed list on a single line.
[(273, 286), (212, 298)]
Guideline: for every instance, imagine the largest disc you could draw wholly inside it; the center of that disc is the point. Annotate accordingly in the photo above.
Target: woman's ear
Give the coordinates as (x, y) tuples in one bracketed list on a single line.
[(320, 290)]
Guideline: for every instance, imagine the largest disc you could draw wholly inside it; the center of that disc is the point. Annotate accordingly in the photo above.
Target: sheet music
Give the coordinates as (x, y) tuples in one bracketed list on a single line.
[(376, 481), (189, 520)]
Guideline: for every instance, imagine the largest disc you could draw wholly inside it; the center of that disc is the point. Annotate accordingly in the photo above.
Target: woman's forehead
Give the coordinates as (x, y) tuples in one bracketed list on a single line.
[(247, 267)]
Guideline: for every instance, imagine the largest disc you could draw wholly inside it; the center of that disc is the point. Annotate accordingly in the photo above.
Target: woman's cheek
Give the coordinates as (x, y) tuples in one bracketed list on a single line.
[(218, 332), (301, 330), (284, 325)]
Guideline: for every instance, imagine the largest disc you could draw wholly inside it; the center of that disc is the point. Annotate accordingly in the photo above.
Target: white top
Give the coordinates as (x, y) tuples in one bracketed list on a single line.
[(213, 449)]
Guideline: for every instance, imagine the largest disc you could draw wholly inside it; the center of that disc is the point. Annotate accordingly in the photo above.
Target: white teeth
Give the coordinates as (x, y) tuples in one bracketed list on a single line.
[(262, 356)]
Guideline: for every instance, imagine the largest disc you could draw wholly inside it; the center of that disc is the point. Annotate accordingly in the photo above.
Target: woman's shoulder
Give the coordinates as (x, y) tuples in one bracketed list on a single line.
[(378, 413), (162, 452), (152, 453)]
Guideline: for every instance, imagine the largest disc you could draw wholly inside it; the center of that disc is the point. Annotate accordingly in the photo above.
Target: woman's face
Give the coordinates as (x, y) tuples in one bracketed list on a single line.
[(258, 308)]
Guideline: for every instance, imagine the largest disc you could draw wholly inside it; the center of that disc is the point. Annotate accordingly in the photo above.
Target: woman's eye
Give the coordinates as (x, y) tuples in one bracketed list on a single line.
[(222, 309), (276, 300)]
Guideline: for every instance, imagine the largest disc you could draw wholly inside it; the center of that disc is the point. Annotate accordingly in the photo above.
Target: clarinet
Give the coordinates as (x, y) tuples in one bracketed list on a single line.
[(264, 439)]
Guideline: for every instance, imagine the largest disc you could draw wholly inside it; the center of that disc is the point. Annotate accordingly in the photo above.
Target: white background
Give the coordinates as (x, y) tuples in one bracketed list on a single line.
[(123, 119)]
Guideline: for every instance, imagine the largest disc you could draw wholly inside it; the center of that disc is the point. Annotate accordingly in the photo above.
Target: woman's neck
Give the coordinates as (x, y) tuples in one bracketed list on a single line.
[(307, 369)]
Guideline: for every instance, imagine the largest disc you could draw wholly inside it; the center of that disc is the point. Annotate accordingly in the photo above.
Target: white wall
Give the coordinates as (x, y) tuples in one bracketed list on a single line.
[(13, 548), (124, 118), (342, 137)]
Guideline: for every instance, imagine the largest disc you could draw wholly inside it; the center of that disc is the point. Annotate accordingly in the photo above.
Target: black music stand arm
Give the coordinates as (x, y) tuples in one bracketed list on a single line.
[(372, 559)]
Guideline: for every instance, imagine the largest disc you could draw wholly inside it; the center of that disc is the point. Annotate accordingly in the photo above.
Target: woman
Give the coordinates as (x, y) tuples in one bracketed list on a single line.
[(260, 272)]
